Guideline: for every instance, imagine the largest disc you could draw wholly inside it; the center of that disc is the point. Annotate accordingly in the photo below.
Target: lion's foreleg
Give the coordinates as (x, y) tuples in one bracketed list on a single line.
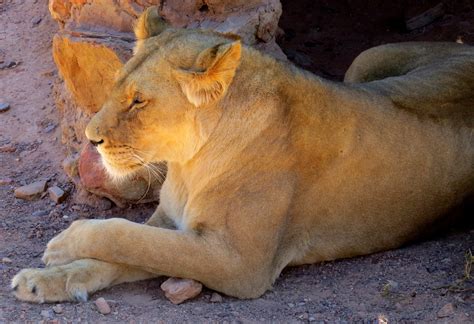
[(174, 253)]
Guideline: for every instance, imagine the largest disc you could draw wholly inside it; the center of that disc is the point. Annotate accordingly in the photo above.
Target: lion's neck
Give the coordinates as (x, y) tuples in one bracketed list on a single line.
[(255, 116)]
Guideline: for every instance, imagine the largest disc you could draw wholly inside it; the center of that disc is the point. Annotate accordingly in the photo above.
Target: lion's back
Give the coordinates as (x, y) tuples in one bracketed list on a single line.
[(433, 80)]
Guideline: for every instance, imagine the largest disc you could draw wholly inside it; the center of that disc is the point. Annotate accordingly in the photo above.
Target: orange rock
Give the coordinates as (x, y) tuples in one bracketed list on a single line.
[(88, 68), (60, 9), (179, 290)]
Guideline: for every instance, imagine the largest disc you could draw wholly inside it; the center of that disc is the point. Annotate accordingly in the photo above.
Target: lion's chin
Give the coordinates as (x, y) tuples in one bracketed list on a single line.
[(121, 173)]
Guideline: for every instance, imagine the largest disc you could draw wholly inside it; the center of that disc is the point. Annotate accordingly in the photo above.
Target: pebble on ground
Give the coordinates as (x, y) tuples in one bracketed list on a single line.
[(4, 107), (102, 306)]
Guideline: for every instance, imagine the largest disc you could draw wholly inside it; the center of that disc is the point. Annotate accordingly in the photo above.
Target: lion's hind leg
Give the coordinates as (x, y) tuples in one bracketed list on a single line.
[(73, 281)]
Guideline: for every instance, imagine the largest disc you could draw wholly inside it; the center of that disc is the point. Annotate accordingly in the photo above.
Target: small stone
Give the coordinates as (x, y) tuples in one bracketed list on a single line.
[(57, 194), (4, 107), (5, 181), (49, 128), (7, 148), (102, 306), (178, 290), (382, 319), (40, 213), (58, 309), (393, 284), (216, 298), (6, 260), (104, 204), (8, 65), (36, 21), (47, 313), (47, 74), (447, 310), (31, 191)]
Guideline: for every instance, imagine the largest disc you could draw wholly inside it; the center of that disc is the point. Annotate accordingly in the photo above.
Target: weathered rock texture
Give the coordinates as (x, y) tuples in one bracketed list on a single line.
[(95, 39), (178, 290), (32, 191)]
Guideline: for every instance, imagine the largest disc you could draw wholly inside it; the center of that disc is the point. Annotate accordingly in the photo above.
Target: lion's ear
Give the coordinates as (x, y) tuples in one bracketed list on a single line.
[(211, 74), (149, 24)]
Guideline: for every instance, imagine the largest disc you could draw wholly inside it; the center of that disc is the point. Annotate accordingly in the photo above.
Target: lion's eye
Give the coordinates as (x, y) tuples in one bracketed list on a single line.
[(137, 103)]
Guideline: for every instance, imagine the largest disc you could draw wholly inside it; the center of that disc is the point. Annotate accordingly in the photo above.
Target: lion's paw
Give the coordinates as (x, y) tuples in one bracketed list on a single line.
[(47, 285)]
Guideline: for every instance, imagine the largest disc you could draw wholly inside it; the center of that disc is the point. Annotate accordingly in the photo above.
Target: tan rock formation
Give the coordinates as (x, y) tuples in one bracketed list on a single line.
[(94, 40)]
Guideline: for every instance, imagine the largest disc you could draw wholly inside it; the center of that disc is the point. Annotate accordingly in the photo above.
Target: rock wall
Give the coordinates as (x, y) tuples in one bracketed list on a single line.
[(94, 40)]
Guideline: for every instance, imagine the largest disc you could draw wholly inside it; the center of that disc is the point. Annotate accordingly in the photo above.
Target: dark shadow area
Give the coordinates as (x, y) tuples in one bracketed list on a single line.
[(324, 36)]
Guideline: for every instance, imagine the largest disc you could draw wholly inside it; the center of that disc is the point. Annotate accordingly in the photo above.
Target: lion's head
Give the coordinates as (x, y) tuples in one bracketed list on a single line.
[(163, 104)]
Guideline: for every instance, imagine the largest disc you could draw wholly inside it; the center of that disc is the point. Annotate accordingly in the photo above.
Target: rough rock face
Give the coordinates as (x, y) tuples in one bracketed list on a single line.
[(142, 187), (94, 40)]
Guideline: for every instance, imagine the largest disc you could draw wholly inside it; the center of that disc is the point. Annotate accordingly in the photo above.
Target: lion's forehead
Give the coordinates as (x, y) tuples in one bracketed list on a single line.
[(176, 47)]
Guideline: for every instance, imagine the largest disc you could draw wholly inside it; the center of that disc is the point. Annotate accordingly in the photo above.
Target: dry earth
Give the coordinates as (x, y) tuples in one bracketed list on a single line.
[(417, 283)]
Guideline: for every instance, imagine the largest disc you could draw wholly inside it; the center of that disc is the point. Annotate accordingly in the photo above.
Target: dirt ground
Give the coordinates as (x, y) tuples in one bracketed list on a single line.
[(423, 282)]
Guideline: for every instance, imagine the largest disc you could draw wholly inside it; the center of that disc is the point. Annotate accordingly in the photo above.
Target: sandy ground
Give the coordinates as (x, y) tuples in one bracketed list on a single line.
[(422, 282)]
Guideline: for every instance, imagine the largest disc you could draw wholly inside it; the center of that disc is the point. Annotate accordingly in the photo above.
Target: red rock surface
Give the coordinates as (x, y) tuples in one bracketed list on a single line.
[(142, 187), (91, 171)]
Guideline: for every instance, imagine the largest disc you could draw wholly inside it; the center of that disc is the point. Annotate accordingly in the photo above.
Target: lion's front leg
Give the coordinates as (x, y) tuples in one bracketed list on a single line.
[(68, 245), (72, 282), (206, 258)]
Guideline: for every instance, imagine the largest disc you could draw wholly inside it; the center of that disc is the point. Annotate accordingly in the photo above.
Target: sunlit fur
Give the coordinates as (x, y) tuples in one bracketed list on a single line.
[(268, 165)]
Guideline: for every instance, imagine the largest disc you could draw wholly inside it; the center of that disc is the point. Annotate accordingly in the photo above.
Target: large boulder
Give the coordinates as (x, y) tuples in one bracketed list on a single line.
[(95, 39)]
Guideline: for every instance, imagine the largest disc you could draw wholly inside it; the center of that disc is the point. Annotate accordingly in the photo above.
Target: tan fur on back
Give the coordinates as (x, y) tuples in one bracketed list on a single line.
[(269, 165)]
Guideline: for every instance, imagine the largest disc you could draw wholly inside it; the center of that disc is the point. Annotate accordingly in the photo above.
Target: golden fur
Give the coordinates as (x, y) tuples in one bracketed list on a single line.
[(268, 165)]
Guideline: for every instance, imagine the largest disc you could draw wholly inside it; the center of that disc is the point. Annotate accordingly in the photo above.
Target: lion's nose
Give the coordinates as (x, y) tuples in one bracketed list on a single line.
[(96, 143)]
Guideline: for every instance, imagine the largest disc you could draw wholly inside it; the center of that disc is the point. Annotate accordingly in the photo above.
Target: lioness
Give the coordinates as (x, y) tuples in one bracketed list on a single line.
[(268, 165)]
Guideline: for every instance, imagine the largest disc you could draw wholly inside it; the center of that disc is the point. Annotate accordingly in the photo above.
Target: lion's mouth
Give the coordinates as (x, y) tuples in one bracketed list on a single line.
[(119, 163)]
